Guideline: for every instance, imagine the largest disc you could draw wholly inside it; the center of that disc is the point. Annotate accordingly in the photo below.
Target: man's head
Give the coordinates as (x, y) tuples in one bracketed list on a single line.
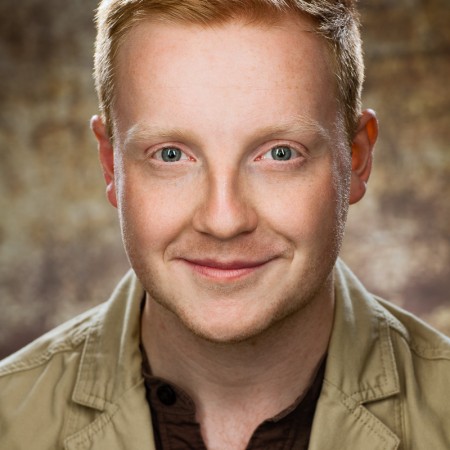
[(336, 20), (231, 167)]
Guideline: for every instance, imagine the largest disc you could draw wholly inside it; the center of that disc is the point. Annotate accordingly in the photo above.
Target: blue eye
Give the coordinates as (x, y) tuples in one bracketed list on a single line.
[(171, 154), (281, 153)]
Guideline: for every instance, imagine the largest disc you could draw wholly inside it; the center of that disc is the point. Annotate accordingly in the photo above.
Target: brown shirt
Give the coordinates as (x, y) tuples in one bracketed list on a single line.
[(175, 426)]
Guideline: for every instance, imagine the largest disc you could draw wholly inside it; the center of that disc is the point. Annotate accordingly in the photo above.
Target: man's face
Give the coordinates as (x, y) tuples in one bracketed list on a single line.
[(228, 171)]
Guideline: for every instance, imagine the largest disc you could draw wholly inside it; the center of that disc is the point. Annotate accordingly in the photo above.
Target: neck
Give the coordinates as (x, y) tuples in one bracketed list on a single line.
[(268, 372)]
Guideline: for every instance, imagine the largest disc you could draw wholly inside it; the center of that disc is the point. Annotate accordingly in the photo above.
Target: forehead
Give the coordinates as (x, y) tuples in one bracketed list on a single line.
[(229, 68), (301, 28)]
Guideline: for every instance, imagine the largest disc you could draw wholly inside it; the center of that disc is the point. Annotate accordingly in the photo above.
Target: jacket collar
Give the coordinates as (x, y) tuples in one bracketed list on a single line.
[(360, 360), (111, 361), (361, 370), (109, 380)]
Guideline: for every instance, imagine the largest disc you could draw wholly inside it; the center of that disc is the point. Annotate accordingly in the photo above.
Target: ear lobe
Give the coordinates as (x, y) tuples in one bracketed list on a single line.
[(106, 155), (362, 154)]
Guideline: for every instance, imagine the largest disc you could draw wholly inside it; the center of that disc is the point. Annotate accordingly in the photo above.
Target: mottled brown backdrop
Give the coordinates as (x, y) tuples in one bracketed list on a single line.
[(60, 249)]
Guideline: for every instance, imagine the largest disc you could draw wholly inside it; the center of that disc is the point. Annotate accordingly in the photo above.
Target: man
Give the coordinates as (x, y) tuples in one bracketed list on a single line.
[(232, 142)]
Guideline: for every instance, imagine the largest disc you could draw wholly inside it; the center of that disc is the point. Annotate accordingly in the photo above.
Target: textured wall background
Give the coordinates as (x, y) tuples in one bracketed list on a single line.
[(60, 249)]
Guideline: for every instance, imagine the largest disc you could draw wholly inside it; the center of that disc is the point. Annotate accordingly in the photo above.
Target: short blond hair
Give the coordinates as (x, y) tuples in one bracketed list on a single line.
[(336, 20)]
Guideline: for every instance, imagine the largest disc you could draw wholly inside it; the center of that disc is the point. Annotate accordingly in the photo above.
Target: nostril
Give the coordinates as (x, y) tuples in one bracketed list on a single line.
[(225, 213)]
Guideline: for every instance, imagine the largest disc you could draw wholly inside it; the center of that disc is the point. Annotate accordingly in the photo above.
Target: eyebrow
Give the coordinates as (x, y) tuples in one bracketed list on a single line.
[(296, 125), (139, 132), (299, 124)]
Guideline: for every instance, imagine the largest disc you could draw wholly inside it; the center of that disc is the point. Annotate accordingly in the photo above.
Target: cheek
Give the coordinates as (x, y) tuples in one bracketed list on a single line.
[(301, 208), (152, 212)]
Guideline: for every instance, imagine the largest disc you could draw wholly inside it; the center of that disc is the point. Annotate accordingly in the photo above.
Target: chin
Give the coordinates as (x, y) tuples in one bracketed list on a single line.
[(236, 327), (227, 333)]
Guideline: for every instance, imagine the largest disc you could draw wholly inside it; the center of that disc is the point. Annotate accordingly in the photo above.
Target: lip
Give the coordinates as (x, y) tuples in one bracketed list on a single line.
[(225, 270)]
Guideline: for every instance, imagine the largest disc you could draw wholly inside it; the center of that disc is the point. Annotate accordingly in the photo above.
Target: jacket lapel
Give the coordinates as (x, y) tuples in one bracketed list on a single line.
[(340, 425), (124, 425), (111, 408), (361, 374)]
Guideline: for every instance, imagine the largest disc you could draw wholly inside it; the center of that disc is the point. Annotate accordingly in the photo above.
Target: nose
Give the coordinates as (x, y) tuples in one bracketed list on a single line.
[(225, 210)]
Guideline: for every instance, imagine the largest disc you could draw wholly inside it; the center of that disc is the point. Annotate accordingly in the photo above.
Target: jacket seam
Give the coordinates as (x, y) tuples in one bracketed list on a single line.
[(395, 324), (427, 353), (434, 356), (78, 332), (386, 351), (402, 424), (86, 434), (363, 415), (41, 359)]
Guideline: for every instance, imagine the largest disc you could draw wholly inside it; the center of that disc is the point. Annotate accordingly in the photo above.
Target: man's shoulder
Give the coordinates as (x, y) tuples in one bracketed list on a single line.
[(69, 337), (37, 383), (422, 340), (64, 340), (422, 360), (73, 374), (417, 337), (387, 366), (395, 341)]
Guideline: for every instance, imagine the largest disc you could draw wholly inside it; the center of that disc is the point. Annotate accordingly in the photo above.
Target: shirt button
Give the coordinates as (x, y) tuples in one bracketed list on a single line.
[(166, 395)]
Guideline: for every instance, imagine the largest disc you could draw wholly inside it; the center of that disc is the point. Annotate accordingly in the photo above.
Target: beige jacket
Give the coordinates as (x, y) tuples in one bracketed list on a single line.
[(387, 381)]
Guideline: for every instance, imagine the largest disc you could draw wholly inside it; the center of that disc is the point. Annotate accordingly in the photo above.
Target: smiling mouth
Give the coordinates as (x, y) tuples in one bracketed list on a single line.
[(225, 271)]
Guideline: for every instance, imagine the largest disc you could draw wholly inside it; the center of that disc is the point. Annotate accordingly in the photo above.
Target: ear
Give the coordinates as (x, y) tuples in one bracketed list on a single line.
[(362, 154), (106, 154)]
